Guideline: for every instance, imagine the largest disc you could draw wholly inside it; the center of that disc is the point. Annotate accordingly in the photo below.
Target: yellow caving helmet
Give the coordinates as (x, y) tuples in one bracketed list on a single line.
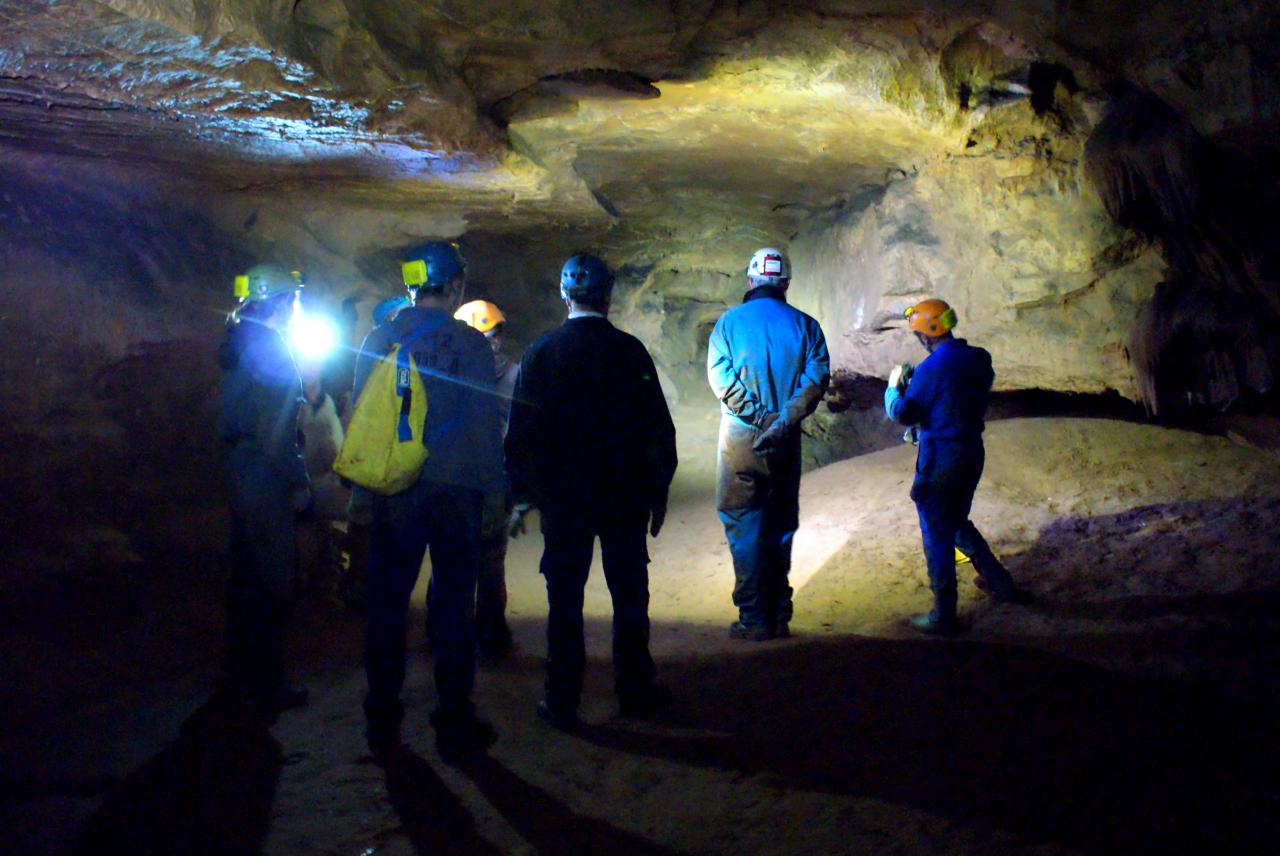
[(932, 317), (481, 314)]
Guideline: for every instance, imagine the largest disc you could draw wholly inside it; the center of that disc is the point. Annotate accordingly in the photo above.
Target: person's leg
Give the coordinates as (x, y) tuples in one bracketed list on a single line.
[(938, 532), (742, 481), (492, 633), (625, 557), (970, 542), (783, 518), (744, 528), (399, 539), (453, 520), (566, 561)]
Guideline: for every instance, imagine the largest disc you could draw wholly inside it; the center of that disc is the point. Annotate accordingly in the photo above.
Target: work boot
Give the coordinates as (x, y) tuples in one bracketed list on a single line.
[(1016, 596), (560, 717), (461, 736), (925, 623), (652, 700), (749, 632)]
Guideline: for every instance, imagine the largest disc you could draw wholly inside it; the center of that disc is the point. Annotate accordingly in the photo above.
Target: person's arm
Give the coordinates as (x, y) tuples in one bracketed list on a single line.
[(814, 379), (660, 449), (376, 346), (910, 406), (271, 366), (728, 387), (521, 431)]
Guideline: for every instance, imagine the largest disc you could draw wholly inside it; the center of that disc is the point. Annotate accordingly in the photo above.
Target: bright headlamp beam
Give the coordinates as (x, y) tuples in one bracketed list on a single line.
[(313, 338)]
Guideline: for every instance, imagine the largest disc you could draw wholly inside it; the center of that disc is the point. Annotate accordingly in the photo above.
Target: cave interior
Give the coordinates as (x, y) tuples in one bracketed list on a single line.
[(1095, 187)]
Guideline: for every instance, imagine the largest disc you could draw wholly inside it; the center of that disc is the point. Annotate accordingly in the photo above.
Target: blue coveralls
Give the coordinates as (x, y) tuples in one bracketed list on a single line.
[(258, 420), (442, 510), (764, 358), (947, 398)]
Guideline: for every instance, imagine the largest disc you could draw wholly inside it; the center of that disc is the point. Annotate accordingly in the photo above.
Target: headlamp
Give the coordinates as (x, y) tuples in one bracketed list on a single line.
[(313, 337)]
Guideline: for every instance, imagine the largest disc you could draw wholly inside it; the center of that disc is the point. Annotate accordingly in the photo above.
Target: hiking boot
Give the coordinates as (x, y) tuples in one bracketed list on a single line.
[(654, 699), (924, 623), (1016, 596), (461, 737), (749, 632), (559, 717)]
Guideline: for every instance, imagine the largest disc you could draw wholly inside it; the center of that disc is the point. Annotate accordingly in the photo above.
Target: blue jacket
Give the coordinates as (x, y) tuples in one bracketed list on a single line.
[(261, 391), (766, 356), (948, 394), (463, 428)]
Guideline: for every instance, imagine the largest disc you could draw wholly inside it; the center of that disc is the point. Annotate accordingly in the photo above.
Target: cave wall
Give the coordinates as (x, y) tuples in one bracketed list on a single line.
[(1010, 234)]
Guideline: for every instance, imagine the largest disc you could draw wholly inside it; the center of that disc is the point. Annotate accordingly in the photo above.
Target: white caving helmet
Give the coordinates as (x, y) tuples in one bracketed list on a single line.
[(769, 266)]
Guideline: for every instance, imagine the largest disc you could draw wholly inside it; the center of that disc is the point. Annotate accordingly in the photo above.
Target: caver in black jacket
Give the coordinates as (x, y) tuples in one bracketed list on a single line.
[(590, 430)]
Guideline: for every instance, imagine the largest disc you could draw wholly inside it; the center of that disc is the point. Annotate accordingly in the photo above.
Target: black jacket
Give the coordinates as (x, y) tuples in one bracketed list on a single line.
[(590, 430)]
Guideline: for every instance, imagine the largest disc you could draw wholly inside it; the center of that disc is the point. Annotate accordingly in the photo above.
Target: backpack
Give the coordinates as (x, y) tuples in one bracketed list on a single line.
[(384, 449)]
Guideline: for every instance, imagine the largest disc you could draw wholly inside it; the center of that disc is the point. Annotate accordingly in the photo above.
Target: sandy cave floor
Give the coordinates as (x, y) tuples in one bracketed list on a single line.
[(1131, 708)]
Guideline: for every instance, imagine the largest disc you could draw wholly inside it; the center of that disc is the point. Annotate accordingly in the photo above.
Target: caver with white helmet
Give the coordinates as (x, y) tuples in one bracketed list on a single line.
[(767, 363), (769, 266)]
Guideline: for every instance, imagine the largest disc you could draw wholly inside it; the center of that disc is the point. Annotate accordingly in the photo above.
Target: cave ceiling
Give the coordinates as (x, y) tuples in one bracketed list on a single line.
[(520, 115)]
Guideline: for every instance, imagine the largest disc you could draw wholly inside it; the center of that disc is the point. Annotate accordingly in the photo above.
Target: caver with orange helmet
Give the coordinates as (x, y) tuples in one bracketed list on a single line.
[(946, 401), (932, 317), (480, 314)]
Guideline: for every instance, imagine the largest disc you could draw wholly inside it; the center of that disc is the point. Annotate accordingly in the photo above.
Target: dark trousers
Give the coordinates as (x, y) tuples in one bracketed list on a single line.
[(758, 498), (492, 633), (448, 520), (491, 590), (262, 586), (947, 477), (566, 562)]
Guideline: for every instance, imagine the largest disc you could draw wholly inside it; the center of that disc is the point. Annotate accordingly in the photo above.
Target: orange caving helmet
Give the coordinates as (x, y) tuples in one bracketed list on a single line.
[(481, 314), (932, 317)]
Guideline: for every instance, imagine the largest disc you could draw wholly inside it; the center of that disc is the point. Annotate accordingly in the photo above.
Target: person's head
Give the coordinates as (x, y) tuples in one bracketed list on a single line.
[(435, 274), (586, 283), (769, 266), (932, 321), (385, 310), (267, 294), (485, 317)]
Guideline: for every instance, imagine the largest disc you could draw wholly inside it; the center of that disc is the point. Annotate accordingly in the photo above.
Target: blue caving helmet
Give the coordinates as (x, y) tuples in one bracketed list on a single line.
[(586, 277), (386, 309), (432, 265)]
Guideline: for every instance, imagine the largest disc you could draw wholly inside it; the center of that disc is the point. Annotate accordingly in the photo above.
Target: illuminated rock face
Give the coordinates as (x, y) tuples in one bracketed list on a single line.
[(896, 149)]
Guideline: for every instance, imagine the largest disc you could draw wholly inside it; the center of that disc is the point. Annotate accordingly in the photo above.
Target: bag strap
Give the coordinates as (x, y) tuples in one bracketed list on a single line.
[(404, 366)]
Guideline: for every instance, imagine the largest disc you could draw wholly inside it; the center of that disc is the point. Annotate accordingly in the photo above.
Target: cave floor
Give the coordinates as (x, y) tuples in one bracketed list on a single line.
[(1131, 708)]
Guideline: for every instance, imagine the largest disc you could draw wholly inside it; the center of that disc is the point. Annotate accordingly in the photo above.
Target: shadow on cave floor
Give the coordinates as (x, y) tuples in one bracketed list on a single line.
[(209, 792), (996, 735)]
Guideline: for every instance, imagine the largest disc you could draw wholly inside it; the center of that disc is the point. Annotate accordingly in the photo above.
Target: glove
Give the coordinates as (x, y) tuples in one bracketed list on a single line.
[(770, 439), (764, 420), (891, 396), (657, 516), (901, 376), (515, 523)]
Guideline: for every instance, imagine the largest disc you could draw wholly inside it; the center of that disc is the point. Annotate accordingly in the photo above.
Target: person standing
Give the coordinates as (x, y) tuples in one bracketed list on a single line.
[(493, 636), (267, 487), (767, 364), (442, 510), (947, 399), (592, 445)]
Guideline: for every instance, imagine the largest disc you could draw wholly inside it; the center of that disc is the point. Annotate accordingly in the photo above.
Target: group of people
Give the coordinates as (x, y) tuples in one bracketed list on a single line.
[(579, 429)]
